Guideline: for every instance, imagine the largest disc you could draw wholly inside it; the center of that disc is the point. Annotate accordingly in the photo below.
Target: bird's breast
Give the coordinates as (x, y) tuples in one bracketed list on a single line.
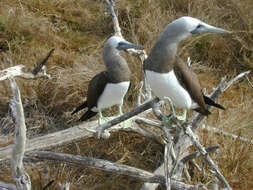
[(167, 85), (113, 94)]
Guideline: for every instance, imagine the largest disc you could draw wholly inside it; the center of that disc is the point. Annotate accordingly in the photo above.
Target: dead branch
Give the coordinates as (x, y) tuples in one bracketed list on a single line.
[(108, 166), (219, 131), (6, 186), (65, 186), (70, 135), (21, 178), (203, 152), (197, 154), (16, 71), (36, 70)]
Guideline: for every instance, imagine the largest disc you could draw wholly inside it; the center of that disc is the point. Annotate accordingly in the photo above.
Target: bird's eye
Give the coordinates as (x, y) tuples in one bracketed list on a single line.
[(199, 26)]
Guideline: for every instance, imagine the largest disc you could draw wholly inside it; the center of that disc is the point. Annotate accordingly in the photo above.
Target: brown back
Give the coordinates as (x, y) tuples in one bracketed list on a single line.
[(189, 80), (96, 88)]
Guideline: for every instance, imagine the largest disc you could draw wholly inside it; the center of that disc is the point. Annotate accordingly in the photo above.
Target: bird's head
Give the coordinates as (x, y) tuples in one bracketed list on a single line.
[(118, 43), (186, 26)]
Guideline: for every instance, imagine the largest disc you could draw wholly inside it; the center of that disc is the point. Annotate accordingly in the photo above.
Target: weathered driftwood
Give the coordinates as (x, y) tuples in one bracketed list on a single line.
[(64, 186), (219, 131), (6, 186), (21, 178), (110, 167), (207, 158), (37, 72), (197, 154), (70, 135)]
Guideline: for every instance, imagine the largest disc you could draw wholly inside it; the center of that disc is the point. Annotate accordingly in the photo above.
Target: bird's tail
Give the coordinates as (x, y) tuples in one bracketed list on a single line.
[(89, 114), (82, 106), (202, 111), (210, 102)]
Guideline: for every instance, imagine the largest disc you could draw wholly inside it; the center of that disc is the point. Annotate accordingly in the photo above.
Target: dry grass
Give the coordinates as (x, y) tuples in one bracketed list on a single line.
[(77, 30)]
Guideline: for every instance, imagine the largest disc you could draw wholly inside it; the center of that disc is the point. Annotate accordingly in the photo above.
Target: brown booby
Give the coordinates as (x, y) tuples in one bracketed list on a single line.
[(109, 87), (168, 76)]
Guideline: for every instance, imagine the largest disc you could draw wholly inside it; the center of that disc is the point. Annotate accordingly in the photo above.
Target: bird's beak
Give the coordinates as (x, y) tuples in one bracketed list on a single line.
[(124, 45), (208, 28)]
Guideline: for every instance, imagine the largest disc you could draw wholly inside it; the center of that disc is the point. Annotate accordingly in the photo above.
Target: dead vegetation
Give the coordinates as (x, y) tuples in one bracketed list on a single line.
[(77, 30)]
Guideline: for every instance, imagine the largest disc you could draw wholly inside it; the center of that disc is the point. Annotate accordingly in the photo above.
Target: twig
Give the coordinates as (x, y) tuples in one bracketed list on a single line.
[(202, 150), (232, 81), (108, 166), (21, 178), (65, 186), (115, 21), (6, 186), (197, 154), (42, 63), (247, 78), (219, 131), (16, 71), (215, 185)]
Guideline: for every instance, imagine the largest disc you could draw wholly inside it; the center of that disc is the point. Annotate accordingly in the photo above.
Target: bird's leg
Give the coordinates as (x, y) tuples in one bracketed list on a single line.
[(127, 123), (183, 116), (101, 118), (179, 117), (120, 110)]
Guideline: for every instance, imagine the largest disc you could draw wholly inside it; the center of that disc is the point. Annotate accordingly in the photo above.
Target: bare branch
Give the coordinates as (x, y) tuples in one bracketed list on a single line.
[(72, 134), (16, 71), (216, 130), (21, 178), (228, 84), (197, 154), (6, 186), (202, 150), (65, 186), (247, 78), (42, 63), (108, 166), (115, 21)]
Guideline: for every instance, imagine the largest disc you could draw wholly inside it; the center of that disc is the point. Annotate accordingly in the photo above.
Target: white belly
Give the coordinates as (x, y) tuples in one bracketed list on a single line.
[(113, 94), (167, 85)]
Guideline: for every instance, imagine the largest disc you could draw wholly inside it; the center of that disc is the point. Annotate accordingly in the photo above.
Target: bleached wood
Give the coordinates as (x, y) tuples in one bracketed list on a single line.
[(219, 131), (70, 135), (64, 186), (109, 166), (6, 186), (211, 163), (37, 72), (21, 178)]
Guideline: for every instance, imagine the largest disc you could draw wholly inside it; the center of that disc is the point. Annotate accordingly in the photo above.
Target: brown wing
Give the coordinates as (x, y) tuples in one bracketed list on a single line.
[(96, 88), (189, 80)]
